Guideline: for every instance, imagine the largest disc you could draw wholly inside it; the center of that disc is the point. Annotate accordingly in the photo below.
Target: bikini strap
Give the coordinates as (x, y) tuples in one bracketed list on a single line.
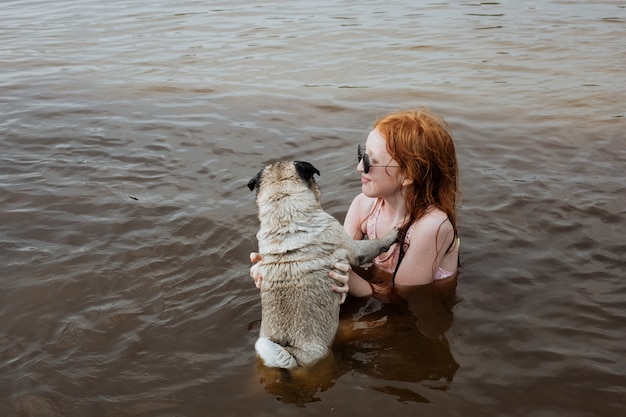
[(373, 218), (452, 245)]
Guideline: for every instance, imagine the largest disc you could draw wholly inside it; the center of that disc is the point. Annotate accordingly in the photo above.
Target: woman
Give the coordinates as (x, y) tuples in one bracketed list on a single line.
[(409, 180)]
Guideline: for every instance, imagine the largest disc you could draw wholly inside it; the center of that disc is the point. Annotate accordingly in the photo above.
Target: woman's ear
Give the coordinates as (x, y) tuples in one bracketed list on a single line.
[(406, 182)]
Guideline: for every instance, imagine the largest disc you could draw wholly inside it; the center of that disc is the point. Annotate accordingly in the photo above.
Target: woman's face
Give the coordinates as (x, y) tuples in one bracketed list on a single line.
[(383, 179)]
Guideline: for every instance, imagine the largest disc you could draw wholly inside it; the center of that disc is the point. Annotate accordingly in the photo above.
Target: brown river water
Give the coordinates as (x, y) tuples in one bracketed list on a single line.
[(128, 133)]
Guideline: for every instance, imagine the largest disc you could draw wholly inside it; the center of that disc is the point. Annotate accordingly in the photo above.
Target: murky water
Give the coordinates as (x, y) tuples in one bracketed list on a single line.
[(129, 131)]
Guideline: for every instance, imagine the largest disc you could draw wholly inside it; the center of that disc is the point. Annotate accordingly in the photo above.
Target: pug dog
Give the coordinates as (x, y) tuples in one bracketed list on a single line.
[(299, 242)]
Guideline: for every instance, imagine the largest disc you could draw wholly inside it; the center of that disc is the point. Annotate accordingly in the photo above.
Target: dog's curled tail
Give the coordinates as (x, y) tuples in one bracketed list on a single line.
[(273, 354)]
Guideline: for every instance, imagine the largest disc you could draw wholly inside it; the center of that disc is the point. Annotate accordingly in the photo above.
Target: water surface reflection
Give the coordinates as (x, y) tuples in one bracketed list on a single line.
[(391, 340)]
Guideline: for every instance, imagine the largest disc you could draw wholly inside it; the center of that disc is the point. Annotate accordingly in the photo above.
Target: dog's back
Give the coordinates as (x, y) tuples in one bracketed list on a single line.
[(300, 312)]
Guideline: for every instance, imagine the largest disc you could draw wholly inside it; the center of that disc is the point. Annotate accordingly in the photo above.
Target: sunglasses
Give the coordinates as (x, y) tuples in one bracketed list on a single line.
[(362, 155)]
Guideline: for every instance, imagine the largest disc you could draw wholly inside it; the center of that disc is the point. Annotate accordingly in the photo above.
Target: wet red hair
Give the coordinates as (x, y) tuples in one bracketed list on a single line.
[(420, 141)]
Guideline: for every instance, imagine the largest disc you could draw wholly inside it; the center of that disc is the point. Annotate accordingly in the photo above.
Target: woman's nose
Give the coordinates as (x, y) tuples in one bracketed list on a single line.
[(359, 166)]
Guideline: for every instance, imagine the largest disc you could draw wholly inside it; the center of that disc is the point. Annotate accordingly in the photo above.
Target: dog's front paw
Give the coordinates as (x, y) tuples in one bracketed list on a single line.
[(390, 238)]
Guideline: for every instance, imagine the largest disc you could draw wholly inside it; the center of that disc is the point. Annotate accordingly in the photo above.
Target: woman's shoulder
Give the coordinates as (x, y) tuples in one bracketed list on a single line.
[(363, 204), (360, 208), (435, 220)]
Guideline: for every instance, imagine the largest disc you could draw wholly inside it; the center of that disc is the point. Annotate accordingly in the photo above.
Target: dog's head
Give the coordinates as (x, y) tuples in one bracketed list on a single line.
[(285, 175)]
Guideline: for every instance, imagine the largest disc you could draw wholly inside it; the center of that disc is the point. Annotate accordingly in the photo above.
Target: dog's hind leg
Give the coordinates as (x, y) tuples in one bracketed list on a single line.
[(311, 353), (308, 353), (273, 354)]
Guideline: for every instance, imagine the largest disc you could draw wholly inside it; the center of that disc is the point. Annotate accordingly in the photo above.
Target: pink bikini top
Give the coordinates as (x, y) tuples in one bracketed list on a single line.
[(388, 261)]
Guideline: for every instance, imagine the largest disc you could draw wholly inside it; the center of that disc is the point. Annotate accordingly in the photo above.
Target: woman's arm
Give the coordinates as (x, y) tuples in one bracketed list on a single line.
[(432, 235)]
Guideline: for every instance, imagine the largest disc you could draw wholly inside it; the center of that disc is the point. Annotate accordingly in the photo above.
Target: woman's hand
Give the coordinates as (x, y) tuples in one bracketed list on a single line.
[(341, 273), (255, 270)]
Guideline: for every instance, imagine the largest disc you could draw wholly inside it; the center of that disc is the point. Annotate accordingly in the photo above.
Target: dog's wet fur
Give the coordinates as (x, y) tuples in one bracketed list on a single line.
[(299, 242)]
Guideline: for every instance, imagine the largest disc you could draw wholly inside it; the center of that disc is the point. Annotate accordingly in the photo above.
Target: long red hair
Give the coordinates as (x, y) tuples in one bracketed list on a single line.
[(420, 141)]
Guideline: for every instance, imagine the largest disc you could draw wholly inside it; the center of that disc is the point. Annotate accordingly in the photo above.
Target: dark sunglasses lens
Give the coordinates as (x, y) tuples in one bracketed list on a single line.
[(366, 160)]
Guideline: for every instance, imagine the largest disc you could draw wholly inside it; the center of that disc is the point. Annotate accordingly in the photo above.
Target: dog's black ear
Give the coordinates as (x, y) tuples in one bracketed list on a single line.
[(255, 181), (306, 170)]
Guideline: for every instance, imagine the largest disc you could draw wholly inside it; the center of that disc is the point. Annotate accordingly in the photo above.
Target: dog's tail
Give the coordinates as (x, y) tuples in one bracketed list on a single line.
[(273, 354)]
